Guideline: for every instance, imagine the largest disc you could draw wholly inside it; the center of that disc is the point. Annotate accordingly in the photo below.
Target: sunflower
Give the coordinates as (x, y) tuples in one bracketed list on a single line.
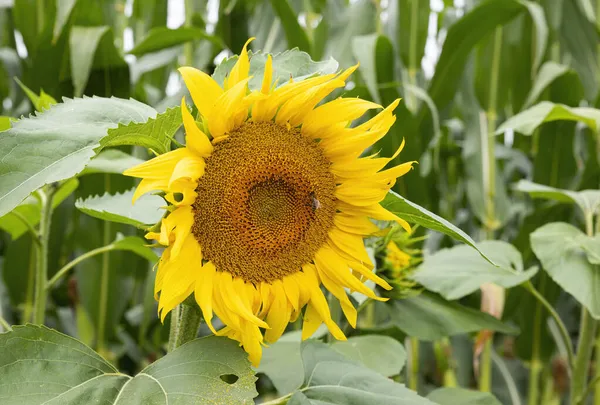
[(268, 200)]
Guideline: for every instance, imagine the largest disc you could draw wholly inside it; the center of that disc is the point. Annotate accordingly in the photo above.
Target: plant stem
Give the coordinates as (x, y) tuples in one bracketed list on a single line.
[(61, 273), (585, 346), (39, 10), (188, 48), (485, 367), (4, 325), (561, 326), (445, 363), (535, 366), (104, 279), (413, 371), (30, 228), (596, 383), (29, 295), (185, 328), (41, 271)]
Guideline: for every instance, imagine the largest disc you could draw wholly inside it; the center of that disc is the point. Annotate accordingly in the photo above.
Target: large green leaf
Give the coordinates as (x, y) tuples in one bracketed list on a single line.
[(30, 210), (430, 317), (382, 354), (416, 214), (111, 161), (587, 200), (155, 134), (454, 396), (85, 43), (293, 63), (58, 143), (527, 121), (294, 33), (564, 252), (460, 271), (549, 72), (159, 38), (135, 245), (33, 372), (332, 379), (146, 211)]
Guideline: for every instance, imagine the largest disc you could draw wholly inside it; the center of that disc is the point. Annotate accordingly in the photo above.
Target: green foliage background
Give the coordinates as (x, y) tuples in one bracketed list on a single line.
[(500, 106)]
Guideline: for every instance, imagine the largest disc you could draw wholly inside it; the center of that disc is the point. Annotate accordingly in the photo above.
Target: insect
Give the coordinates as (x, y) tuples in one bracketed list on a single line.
[(314, 202)]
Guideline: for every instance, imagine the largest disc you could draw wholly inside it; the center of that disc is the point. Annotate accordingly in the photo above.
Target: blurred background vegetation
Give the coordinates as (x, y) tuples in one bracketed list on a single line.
[(462, 68)]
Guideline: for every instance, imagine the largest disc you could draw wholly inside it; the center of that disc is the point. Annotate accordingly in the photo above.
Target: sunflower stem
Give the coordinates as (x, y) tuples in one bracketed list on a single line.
[(104, 280), (185, 322), (61, 273), (413, 370), (41, 272)]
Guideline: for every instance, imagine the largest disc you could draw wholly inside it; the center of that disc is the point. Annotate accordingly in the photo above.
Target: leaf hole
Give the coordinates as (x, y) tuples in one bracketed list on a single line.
[(229, 378)]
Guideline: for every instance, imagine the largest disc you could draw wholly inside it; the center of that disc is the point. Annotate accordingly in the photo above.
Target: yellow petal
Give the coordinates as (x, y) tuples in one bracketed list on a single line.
[(229, 111), (352, 244), (234, 302), (190, 168), (360, 194), (180, 276), (159, 167), (181, 220), (279, 314), (267, 76), (195, 139), (338, 291), (318, 120), (203, 293), (147, 185), (203, 89), (374, 211), (241, 68), (359, 225), (291, 291)]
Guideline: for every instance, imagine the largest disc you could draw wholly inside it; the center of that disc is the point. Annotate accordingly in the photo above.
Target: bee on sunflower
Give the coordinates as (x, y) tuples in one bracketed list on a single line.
[(268, 201)]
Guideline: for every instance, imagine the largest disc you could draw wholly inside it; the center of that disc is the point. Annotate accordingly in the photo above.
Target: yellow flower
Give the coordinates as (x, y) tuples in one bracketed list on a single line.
[(396, 257), (270, 200)]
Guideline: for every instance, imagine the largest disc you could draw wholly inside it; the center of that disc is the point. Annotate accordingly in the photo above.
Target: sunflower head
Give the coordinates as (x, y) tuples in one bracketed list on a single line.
[(270, 200), (400, 260)]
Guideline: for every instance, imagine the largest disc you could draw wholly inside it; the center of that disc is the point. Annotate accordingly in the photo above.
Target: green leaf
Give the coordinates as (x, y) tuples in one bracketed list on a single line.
[(527, 121), (4, 123), (330, 378), (30, 210), (159, 38), (152, 61), (84, 42), (146, 211), (536, 12), (549, 72), (587, 200), (282, 363), (416, 214), (429, 317), (562, 249), (154, 134), (460, 270), (111, 161), (41, 102), (382, 354), (462, 37), (412, 23), (294, 33), (63, 12), (136, 245), (58, 143), (293, 63), (189, 375), (454, 396)]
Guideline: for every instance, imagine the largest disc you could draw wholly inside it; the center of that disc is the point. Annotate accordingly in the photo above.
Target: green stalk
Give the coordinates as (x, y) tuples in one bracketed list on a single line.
[(104, 280), (41, 271), (596, 384), (489, 188), (585, 346), (39, 11), (445, 363), (413, 371), (29, 296), (60, 274), (412, 52), (185, 328), (188, 48), (535, 365)]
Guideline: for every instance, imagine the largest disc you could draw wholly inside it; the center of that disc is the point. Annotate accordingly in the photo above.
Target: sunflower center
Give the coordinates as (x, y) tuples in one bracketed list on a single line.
[(265, 202)]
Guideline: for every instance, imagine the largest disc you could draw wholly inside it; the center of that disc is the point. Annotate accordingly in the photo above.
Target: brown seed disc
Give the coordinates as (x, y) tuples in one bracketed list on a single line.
[(265, 202)]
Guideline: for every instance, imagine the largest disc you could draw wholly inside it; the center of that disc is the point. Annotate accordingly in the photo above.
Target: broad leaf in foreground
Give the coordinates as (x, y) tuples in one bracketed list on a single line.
[(565, 253), (58, 143), (155, 134), (111, 161), (460, 270), (587, 200), (429, 317), (293, 63), (332, 379), (146, 211), (454, 396), (42, 366), (416, 214)]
